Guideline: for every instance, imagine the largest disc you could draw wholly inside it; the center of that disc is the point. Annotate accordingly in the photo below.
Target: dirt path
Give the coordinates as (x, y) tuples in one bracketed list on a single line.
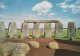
[(66, 48)]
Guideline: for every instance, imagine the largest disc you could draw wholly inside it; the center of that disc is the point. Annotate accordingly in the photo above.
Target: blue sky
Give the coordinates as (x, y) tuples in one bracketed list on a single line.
[(20, 10)]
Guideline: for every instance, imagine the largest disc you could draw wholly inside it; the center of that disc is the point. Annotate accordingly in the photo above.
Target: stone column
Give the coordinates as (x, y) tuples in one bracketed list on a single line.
[(24, 30), (42, 33), (36, 30), (58, 29), (71, 30), (2, 30), (12, 30), (47, 30)]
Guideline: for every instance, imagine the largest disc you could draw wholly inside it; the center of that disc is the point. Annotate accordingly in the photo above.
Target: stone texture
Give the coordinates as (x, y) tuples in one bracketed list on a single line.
[(12, 30), (25, 30), (58, 29), (30, 33), (34, 44), (47, 30), (16, 49), (53, 45), (1, 53), (2, 30), (7, 48), (42, 33), (71, 30), (52, 32), (21, 50), (41, 21), (36, 30)]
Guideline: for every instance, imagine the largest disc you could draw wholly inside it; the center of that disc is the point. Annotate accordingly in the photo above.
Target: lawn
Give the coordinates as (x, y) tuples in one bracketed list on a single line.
[(63, 36)]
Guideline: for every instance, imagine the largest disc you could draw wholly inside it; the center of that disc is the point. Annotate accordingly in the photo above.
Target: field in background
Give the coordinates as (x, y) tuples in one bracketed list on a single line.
[(63, 36)]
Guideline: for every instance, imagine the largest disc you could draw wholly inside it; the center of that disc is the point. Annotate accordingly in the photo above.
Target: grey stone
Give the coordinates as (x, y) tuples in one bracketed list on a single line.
[(42, 33), (36, 30), (21, 49), (7, 48), (16, 49), (12, 30), (2, 30), (71, 30), (47, 30), (25, 30), (58, 29)]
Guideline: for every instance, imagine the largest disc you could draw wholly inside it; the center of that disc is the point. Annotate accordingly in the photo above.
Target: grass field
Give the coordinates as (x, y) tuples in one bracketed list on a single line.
[(63, 36)]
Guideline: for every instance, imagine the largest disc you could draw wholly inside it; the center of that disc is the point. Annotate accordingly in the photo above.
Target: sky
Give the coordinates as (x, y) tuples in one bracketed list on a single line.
[(20, 10)]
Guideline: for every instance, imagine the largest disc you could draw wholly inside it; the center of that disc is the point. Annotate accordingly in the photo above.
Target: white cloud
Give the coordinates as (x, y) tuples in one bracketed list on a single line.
[(75, 8), (2, 5), (77, 2), (18, 19), (63, 5), (51, 14), (43, 7), (68, 0)]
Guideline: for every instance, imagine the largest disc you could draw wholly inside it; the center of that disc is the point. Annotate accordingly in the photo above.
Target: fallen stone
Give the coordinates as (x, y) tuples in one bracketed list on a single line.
[(21, 50), (53, 45), (34, 44)]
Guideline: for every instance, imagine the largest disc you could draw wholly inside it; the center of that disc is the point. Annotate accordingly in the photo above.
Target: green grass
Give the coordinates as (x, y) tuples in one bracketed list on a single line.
[(63, 36), (78, 34)]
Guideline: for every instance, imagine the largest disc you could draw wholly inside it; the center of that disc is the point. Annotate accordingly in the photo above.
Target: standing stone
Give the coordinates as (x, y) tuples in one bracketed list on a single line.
[(36, 30), (30, 33), (42, 33), (52, 32), (25, 30), (58, 29), (2, 30), (71, 30), (12, 30), (47, 30)]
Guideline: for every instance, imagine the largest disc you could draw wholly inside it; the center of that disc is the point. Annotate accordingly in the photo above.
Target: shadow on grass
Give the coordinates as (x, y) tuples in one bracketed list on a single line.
[(77, 43), (61, 52)]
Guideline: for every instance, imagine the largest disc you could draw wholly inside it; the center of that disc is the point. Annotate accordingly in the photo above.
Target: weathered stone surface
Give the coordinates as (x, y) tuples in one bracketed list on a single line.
[(52, 32), (48, 34), (41, 21), (58, 29), (25, 30), (47, 26), (2, 30), (12, 30), (16, 49), (30, 33), (34, 44), (21, 50), (7, 48), (36, 30), (1, 53), (71, 30), (47, 30), (42, 33), (53, 45), (36, 33)]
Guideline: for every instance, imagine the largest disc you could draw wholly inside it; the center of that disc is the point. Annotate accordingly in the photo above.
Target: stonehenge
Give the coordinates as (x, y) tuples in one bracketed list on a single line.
[(2, 30), (15, 49), (53, 45), (12, 30), (34, 44)]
